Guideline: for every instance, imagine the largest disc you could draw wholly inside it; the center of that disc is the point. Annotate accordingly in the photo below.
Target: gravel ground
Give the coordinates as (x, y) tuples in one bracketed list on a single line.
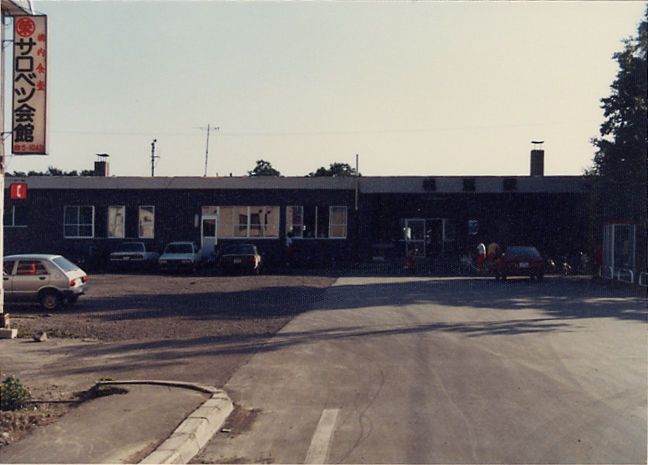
[(121, 307), (145, 307)]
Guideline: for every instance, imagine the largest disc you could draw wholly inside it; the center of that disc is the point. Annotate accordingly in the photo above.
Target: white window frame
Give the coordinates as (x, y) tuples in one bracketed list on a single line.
[(109, 234), (332, 225), (290, 225), (13, 223), (328, 225), (237, 226), (139, 222), (78, 224)]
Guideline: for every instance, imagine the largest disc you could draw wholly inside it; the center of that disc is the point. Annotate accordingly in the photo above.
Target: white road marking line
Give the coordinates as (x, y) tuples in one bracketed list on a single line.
[(321, 441)]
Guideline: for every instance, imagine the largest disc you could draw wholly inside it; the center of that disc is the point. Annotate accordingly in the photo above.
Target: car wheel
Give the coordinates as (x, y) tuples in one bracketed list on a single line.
[(50, 300)]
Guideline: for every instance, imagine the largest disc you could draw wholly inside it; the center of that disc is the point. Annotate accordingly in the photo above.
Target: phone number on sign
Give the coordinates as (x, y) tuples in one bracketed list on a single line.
[(28, 148)]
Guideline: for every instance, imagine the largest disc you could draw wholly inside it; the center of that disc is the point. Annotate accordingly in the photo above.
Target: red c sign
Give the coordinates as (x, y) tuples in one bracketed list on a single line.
[(19, 191)]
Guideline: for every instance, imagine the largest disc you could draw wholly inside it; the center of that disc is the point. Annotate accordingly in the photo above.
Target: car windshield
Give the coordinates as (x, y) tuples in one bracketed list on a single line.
[(239, 250), (65, 264), (178, 248), (131, 247), (523, 252)]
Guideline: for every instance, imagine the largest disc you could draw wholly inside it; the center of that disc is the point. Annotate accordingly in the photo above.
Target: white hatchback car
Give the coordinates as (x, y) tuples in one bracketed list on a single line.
[(51, 280)]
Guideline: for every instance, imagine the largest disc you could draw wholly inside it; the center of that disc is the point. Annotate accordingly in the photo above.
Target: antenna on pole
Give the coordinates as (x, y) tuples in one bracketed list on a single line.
[(209, 127), (153, 157)]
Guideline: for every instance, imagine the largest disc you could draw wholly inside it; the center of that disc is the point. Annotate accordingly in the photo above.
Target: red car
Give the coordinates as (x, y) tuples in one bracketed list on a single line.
[(520, 261)]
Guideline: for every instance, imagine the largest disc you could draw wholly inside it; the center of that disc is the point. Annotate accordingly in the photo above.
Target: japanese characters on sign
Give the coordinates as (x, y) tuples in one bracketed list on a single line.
[(30, 86)]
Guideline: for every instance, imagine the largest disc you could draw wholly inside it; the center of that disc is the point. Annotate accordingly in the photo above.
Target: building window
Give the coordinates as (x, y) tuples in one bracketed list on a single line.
[(295, 220), (338, 222), (325, 222), (116, 221), (264, 222), (244, 222), (15, 216), (147, 222), (78, 222)]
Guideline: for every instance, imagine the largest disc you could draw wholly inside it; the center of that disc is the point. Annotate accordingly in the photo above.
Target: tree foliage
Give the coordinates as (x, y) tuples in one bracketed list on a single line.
[(51, 171), (334, 170), (263, 168), (620, 170)]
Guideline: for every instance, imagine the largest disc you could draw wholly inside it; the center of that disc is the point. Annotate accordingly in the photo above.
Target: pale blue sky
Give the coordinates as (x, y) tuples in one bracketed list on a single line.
[(414, 88)]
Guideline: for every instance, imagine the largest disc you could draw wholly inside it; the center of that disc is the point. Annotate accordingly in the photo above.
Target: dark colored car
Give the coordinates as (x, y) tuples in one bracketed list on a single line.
[(133, 255), (520, 261), (240, 258)]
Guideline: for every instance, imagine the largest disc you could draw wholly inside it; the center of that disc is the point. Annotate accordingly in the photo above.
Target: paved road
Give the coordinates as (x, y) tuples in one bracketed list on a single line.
[(416, 370)]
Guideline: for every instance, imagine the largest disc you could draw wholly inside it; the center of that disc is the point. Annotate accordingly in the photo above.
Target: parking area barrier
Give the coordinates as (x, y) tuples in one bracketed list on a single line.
[(625, 276), (643, 279), (607, 272)]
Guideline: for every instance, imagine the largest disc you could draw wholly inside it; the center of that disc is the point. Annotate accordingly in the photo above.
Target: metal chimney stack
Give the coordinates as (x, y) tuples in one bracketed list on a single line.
[(537, 158)]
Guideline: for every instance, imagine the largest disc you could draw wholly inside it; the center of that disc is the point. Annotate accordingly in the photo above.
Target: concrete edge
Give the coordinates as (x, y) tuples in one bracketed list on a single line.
[(195, 430)]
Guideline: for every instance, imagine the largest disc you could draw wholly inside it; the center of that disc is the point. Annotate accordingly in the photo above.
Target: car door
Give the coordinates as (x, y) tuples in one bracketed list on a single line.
[(30, 276), (7, 277)]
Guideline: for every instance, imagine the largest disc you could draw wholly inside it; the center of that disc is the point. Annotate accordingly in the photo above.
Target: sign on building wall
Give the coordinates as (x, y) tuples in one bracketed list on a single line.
[(29, 121), (19, 191)]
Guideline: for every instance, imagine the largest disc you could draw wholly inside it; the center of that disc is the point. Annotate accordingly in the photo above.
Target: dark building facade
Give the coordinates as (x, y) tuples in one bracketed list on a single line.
[(331, 221)]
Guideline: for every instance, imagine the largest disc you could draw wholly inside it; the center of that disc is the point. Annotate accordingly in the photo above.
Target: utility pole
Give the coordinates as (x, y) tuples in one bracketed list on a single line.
[(153, 157), (216, 128), (2, 156), (357, 181)]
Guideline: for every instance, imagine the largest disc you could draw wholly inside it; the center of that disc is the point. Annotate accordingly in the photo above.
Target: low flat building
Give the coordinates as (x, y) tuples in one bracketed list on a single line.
[(330, 220)]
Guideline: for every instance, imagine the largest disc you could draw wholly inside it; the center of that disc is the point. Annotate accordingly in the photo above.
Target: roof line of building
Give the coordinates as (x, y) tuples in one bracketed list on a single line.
[(366, 184)]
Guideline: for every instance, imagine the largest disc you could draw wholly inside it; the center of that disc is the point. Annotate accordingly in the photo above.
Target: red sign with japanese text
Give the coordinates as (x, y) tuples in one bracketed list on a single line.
[(29, 121), (19, 190)]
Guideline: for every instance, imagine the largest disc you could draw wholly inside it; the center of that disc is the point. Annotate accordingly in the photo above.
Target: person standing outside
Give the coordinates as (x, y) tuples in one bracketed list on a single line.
[(494, 251), (481, 256), (289, 249)]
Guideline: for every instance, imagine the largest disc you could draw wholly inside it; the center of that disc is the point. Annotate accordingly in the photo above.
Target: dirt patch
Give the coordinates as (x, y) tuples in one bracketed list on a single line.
[(239, 421), (144, 307)]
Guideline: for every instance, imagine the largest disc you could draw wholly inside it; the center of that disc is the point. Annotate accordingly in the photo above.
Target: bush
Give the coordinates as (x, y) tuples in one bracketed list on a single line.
[(13, 395)]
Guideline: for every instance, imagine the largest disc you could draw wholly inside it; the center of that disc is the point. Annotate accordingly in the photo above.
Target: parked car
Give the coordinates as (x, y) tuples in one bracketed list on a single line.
[(520, 261), (133, 255), (180, 256), (51, 280), (240, 258)]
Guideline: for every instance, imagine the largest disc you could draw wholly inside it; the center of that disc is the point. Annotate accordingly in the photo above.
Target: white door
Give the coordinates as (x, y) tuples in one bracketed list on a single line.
[(209, 234)]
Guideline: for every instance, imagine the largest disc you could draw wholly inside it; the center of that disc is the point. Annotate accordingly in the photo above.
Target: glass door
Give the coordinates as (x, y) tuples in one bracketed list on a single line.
[(415, 237), (209, 234)]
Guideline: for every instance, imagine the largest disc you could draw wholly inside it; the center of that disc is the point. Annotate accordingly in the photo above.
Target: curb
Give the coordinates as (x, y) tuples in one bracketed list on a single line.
[(196, 430)]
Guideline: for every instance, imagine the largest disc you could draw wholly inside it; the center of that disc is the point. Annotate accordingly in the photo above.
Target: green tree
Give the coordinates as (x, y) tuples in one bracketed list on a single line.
[(334, 170), (620, 172), (263, 168), (51, 171)]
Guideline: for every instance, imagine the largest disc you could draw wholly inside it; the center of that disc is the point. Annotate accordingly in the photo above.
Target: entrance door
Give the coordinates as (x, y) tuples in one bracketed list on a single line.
[(209, 234), (415, 237)]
